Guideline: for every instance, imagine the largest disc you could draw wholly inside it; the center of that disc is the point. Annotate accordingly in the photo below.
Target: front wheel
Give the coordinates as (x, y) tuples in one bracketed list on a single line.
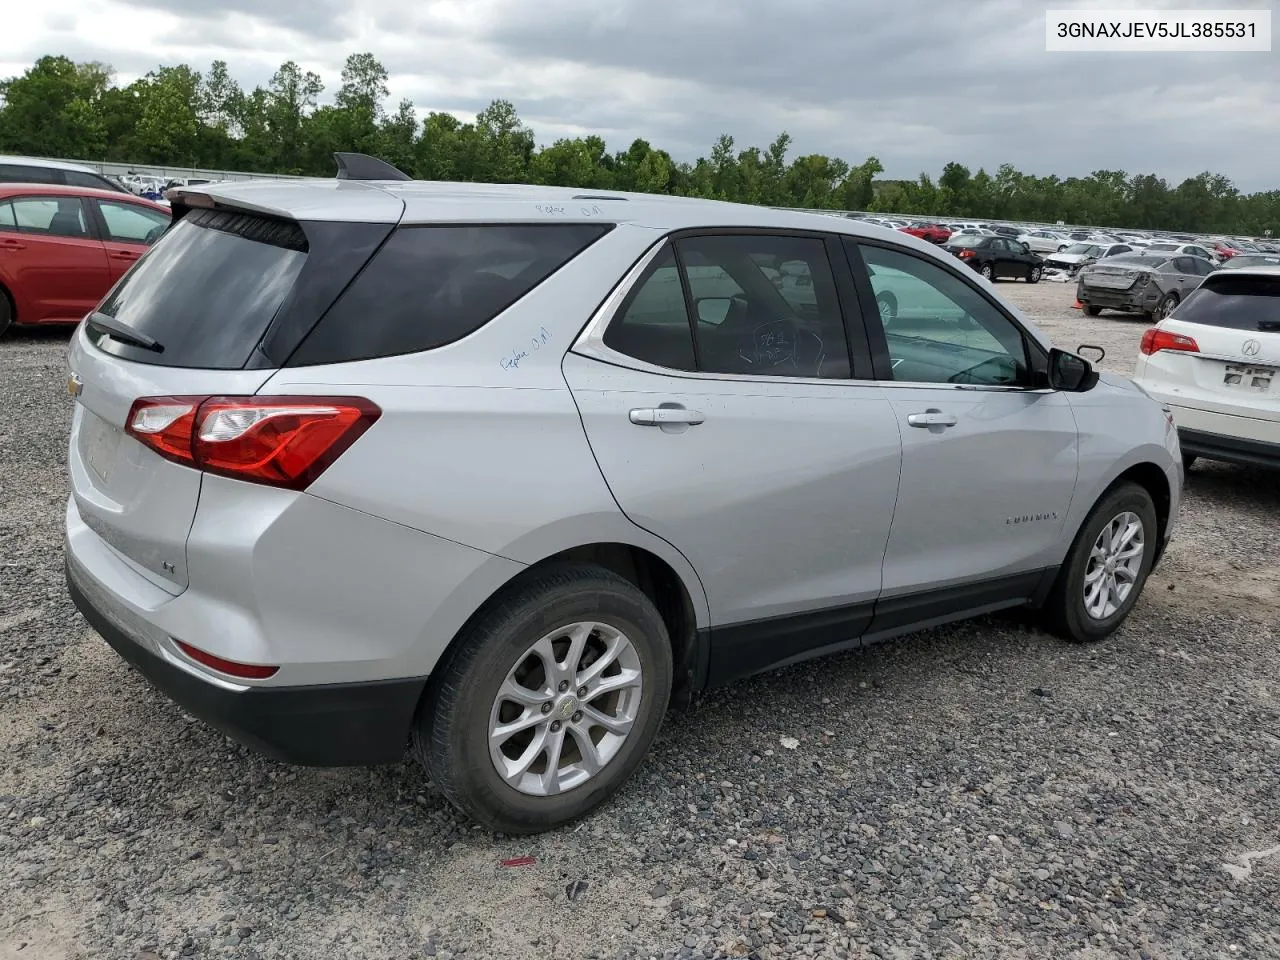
[(6, 311), (1033, 275), (1105, 571), (888, 304), (548, 700)]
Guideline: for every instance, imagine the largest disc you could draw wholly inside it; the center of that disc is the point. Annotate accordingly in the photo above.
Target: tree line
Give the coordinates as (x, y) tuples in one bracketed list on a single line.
[(177, 116)]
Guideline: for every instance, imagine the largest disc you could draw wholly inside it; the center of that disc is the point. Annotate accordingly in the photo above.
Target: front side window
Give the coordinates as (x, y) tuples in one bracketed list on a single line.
[(51, 216), (942, 330), (748, 305), (131, 223), (7, 221)]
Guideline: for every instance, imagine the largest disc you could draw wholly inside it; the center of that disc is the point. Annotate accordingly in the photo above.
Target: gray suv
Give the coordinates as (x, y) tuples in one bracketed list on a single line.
[(499, 472)]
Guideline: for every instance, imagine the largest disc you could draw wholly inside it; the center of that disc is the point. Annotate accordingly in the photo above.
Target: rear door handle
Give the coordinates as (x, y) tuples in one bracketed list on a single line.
[(125, 255), (657, 416), (932, 418)]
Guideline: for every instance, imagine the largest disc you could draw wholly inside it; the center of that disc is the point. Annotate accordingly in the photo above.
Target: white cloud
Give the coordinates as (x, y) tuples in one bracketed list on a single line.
[(915, 84)]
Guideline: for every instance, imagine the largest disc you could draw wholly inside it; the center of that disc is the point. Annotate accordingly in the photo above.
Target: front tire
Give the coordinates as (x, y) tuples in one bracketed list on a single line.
[(6, 311), (1104, 573), (888, 304), (548, 700), (1033, 275)]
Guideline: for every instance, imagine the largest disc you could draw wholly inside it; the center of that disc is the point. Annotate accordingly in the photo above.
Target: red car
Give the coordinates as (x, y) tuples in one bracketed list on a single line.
[(933, 232), (62, 248)]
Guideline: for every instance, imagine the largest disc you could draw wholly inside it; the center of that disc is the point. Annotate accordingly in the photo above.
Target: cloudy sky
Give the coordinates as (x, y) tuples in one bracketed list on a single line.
[(914, 82)]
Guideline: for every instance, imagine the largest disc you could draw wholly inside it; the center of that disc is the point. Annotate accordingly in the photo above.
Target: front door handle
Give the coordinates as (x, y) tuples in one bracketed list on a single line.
[(12, 245), (125, 255), (657, 416), (932, 418)]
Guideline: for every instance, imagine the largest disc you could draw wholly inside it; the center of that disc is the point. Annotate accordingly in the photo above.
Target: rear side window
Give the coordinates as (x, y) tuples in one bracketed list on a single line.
[(208, 290), (1235, 303), (429, 286), (18, 173)]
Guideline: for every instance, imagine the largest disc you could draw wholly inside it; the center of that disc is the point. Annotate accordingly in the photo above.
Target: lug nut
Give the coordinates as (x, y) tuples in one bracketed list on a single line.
[(577, 716), (582, 693), (555, 726), (546, 708), (564, 685)]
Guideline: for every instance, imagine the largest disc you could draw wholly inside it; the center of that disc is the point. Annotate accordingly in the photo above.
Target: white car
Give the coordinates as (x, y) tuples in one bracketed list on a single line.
[(1045, 241), (1216, 362), (1184, 249), (1065, 265)]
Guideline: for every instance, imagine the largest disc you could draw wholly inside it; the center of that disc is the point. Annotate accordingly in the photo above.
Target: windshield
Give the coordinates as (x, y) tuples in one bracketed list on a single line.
[(1084, 249)]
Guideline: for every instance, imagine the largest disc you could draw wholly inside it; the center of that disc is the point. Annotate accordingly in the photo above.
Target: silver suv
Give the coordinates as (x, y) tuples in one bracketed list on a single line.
[(502, 471)]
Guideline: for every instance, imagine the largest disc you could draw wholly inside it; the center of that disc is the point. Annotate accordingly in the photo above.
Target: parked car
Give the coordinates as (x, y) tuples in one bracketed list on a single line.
[(1004, 230), (998, 258), (1251, 260), (1067, 264), (1044, 241), (933, 232), (1184, 249), (1224, 249), (1216, 362), (1143, 282), (62, 248), (35, 170), (294, 506)]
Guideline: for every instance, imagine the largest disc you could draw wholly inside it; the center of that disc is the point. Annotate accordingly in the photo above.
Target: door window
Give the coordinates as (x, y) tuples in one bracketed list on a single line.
[(942, 330), (131, 223), (750, 305), (653, 324), (7, 221), (19, 173), (52, 216)]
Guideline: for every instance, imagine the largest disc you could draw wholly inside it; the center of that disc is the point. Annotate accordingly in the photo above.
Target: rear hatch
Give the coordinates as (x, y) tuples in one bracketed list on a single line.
[(213, 309), (1234, 320)]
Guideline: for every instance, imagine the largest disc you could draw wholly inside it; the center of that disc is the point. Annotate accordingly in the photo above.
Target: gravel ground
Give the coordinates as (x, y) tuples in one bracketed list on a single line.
[(979, 790)]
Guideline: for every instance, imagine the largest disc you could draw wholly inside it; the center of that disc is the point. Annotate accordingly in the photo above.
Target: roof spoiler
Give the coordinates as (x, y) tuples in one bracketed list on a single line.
[(361, 166)]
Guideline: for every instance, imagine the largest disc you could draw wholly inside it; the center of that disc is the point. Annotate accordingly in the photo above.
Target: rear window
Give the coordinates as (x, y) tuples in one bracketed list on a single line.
[(432, 285), (1235, 302), (208, 290)]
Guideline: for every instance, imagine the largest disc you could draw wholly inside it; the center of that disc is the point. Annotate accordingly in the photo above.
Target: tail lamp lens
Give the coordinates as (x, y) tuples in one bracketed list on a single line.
[(1154, 340), (279, 441)]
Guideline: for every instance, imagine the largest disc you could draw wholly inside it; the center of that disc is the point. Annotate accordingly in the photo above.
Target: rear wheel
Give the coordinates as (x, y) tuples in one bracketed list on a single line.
[(987, 271), (6, 311), (1104, 573), (1092, 310), (1188, 461), (888, 305), (548, 701), (1165, 307)]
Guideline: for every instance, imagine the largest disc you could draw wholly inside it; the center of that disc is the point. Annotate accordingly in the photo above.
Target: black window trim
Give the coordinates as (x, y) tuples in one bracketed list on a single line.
[(590, 341), (1037, 354), (90, 224)]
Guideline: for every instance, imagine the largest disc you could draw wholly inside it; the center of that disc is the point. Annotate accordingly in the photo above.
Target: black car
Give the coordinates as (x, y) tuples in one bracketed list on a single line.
[(1007, 231), (999, 258)]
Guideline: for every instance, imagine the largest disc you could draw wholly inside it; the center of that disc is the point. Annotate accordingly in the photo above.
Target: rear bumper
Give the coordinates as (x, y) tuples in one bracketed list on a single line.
[(1214, 446), (339, 724), (1135, 301)]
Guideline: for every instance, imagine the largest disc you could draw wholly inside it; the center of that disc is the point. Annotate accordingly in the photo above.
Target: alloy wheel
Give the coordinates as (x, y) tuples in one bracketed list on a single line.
[(1114, 565), (565, 709)]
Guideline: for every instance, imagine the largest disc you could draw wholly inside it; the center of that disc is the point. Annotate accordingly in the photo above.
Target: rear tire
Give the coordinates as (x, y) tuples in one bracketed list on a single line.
[(1165, 307), (1070, 612), (888, 304), (1092, 310), (463, 705), (1188, 461), (6, 311), (988, 272)]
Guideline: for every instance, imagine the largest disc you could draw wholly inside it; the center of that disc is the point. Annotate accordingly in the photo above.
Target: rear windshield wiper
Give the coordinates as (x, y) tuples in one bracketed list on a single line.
[(122, 332), (1269, 325)]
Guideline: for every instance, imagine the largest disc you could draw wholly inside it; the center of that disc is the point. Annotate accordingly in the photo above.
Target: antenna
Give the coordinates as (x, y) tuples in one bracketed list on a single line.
[(361, 166)]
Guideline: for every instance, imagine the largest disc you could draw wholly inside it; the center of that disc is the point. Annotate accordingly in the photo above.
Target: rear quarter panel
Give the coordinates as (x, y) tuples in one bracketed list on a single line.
[(480, 441)]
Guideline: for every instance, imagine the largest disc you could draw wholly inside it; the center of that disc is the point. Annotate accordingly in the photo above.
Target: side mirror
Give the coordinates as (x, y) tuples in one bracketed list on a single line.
[(1026, 247), (713, 310), (1070, 373)]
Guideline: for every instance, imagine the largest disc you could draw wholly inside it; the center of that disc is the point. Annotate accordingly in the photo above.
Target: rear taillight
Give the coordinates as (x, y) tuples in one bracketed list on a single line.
[(1155, 340), (280, 441), (965, 254), (233, 668)]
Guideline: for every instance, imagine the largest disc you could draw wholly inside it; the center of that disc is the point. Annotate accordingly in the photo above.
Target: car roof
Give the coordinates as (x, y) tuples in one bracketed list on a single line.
[(48, 164), (427, 201), (62, 190), (1221, 276)]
